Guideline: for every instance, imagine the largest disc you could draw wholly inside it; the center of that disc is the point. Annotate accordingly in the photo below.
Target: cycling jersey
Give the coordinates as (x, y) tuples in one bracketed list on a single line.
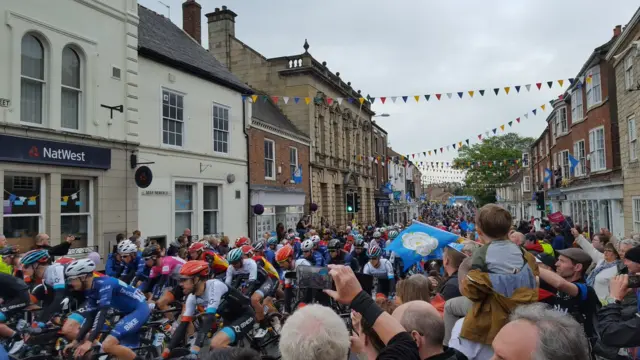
[(217, 263), (384, 269), (15, 295), (168, 265), (266, 265), (135, 268), (249, 267), (54, 276)]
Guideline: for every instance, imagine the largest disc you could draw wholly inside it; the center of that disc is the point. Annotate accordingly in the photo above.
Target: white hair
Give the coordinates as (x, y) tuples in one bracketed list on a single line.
[(314, 332), (560, 336)]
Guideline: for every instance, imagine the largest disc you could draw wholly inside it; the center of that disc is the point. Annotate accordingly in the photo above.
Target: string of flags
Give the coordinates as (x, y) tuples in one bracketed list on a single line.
[(438, 96), (16, 200), (64, 201)]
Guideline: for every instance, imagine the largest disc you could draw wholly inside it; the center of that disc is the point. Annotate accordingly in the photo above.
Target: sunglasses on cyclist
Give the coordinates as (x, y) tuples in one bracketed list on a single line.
[(283, 262), (149, 258), (374, 258)]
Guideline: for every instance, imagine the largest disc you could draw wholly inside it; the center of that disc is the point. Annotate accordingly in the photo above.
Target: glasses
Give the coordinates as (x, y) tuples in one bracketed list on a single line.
[(149, 258), (125, 256), (374, 258), (332, 251), (283, 262)]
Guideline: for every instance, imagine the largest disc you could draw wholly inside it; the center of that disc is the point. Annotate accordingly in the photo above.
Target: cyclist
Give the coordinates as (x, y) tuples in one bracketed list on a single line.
[(102, 294), (380, 268), (267, 289), (241, 242), (218, 264), (359, 252), (270, 251), (285, 259), (307, 253), (340, 257), (132, 263), (11, 260), (15, 294), (318, 252), (162, 281), (218, 298)]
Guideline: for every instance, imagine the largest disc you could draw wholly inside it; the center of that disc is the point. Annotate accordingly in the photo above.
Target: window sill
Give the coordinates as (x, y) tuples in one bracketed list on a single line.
[(171, 147), (270, 178), (34, 125), (578, 121)]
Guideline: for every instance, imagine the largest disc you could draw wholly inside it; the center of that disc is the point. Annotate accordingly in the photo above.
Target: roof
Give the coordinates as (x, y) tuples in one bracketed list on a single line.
[(161, 40), (635, 20), (269, 113)]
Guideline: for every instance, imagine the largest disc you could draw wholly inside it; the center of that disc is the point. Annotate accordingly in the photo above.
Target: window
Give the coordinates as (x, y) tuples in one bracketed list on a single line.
[(562, 120), (172, 118), (628, 72), (596, 147), (525, 159), (75, 210), (636, 214), (633, 139), (183, 208), (554, 127), (527, 183), (220, 129), (594, 90), (577, 112), (293, 161), (580, 154), (70, 96), (32, 83), (546, 144), (269, 160), (563, 162), (376, 144), (210, 210), (22, 208)]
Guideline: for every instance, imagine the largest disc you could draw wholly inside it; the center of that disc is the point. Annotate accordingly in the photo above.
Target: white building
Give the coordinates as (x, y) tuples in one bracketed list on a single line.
[(68, 119), (192, 131), (399, 174)]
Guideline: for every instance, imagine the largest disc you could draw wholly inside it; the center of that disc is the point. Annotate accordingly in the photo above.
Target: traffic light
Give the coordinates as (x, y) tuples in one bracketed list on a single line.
[(350, 205), (356, 201), (540, 200)]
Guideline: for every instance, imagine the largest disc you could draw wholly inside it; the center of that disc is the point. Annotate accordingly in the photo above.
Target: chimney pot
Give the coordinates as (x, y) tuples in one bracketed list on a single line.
[(224, 7), (217, 10), (617, 31), (191, 19)]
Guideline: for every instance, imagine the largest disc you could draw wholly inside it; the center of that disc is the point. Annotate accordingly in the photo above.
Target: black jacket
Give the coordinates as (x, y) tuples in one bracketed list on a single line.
[(58, 250), (450, 289), (614, 330), (448, 354)]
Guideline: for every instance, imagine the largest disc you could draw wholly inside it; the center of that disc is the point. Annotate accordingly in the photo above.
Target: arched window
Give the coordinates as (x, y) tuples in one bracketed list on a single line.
[(71, 89), (32, 82)]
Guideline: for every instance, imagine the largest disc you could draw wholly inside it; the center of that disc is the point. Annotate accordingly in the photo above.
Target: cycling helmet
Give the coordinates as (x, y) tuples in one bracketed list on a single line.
[(80, 267), (259, 246), (334, 244), (359, 241), (393, 234), (65, 260), (272, 241), (315, 239), (247, 250), (307, 245), (127, 247), (284, 253), (374, 251), (376, 234), (242, 241), (234, 255), (152, 250), (198, 246), (8, 250), (36, 256), (194, 268)]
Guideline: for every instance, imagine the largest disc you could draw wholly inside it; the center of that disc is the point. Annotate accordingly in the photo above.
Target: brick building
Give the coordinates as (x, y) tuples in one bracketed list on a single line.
[(380, 174), (624, 58), (279, 169), (583, 124), (340, 131)]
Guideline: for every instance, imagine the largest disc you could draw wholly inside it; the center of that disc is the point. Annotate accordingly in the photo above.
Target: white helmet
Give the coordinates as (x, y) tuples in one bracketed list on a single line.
[(80, 267), (376, 234), (127, 247), (307, 245), (315, 239)]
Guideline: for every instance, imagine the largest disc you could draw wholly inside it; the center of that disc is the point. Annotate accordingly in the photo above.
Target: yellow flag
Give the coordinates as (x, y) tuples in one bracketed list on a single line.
[(361, 100), (417, 97), (460, 144), (543, 106), (560, 82), (65, 198), (429, 152), (254, 98), (307, 100), (506, 89), (502, 127), (471, 93), (589, 79), (33, 198)]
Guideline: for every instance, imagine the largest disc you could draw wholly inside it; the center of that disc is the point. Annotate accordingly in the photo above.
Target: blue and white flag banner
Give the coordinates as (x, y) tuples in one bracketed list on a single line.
[(420, 242)]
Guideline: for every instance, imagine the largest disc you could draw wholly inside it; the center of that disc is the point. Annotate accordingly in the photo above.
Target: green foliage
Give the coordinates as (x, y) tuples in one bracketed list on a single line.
[(498, 148)]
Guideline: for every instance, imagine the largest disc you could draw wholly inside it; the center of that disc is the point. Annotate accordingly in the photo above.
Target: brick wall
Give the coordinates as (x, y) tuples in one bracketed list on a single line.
[(282, 145)]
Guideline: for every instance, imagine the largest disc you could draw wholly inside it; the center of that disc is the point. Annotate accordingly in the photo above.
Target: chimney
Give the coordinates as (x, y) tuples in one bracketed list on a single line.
[(617, 31), (222, 27), (191, 19)]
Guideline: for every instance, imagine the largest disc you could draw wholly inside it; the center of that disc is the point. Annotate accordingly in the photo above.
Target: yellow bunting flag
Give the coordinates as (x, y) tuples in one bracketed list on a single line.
[(33, 198), (460, 144), (543, 106), (307, 100), (589, 79), (417, 97), (506, 89), (560, 82), (361, 100), (65, 198), (471, 93), (254, 98), (429, 152), (502, 127)]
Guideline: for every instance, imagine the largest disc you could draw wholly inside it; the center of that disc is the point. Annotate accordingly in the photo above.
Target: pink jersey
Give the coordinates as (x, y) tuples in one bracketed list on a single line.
[(169, 265)]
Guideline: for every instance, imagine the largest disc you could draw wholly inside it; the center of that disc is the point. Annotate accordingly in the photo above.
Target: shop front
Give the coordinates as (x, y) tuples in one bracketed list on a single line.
[(66, 186), (281, 206), (382, 211), (595, 207)]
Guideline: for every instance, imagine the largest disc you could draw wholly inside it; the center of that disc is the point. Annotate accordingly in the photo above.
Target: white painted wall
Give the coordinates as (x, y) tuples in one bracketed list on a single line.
[(397, 176), (183, 165), (104, 33)]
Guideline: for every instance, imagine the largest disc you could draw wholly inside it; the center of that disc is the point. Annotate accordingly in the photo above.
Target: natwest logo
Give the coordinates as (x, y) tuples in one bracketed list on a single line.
[(61, 154), (33, 152)]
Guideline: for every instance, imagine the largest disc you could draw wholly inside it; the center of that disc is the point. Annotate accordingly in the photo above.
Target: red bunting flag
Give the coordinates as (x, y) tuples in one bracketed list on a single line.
[(275, 99), (329, 101), (383, 99), (438, 96), (479, 136), (518, 120), (539, 85)]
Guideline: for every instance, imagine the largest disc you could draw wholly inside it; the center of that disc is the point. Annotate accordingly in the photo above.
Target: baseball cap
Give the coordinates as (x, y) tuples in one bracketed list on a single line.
[(633, 254), (547, 259), (577, 255)]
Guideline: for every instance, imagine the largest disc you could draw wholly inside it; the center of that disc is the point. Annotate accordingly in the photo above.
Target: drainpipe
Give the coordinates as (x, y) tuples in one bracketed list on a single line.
[(246, 136)]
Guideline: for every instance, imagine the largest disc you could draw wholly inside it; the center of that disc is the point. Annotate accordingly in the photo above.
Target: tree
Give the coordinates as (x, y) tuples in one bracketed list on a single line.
[(494, 149)]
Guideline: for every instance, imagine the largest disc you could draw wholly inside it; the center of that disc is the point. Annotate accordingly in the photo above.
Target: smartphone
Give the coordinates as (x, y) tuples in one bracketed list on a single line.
[(634, 281), (314, 277)]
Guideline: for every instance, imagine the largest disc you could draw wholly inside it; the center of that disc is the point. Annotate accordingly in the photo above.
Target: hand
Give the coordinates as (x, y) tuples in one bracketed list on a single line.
[(83, 349), (347, 285), (357, 344), (574, 232), (356, 318), (70, 346), (618, 287), (70, 239), (433, 281)]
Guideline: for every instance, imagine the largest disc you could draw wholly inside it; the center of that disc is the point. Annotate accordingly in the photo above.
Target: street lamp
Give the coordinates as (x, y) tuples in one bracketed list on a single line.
[(382, 115)]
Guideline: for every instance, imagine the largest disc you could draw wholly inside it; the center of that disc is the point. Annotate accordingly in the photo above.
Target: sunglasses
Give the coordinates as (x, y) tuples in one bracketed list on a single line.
[(283, 262), (374, 258), (125, 256), (149, 258), (332, 251)]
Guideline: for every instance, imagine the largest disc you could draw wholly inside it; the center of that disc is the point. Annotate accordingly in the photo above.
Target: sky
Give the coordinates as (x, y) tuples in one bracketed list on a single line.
[(417, 47)]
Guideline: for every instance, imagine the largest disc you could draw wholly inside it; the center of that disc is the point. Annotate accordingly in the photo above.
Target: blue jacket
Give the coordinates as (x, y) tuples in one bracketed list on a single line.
[(113, 267), (318, 258), (297, 246), (270, 255), (558, 242)]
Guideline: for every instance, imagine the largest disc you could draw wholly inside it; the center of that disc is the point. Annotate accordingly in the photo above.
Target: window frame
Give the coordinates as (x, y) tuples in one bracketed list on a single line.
[(526, 181), (563, 123), (273, 160), (192, 211), (43, 197), (577, 113), (162, 117), (43, 82), (213, 129), (594, 85), (79, 91), (91, 207), (297, 163), (628, 72), (592, 150), (563, 161), (218, 188), (582, 167), (635, 210), (633, 142)]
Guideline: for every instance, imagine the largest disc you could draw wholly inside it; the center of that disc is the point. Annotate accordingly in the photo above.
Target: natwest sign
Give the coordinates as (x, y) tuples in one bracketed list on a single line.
[(36, 151)]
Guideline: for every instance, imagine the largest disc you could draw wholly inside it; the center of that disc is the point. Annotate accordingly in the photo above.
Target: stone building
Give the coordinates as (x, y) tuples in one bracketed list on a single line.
[(380, 175), (335, 120), (624, 57)]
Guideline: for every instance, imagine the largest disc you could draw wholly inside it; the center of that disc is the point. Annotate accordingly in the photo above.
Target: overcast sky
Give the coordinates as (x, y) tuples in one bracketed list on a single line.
[(417, 47)]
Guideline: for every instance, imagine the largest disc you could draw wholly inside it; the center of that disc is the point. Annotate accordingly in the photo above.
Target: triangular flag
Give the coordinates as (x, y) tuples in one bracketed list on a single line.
[(454, 146), (265, 98), (449, 95), (589, 79), (571, 80), (560, 82), (394, 98), (244, 97), (426, 97), (441, 150), (550, 83), (254, 98), (459, 143), (285, 99), (275, 99), (517, 88), (486, 133), (307, 100), (417, 97), (467, 141), (528, 86), (429, 152), (481, 92), (539, 85), (496, 90), (371, 99), (350, 100), (506, 89), (460, 94), (494, 130), (329, 101), (534, 111), (404, 98), (510, 123), (296, 99), (339, 100), (502, 127), (518, 120), (479, 136), (435, 151), (526, 115), (543, 106), (361, 100), (471, 93), (383, 99), (438, 96)]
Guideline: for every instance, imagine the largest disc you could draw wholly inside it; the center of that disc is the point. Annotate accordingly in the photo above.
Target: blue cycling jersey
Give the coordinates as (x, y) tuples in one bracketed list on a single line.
[(108, 292)]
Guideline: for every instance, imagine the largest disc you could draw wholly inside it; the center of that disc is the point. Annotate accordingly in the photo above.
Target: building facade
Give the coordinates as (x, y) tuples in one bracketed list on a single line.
[(400, 178), (583, 124), (68, 117), (193, 135), (380, 174), (517, 196), (624, 57), (340, 130), (279, 162)]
